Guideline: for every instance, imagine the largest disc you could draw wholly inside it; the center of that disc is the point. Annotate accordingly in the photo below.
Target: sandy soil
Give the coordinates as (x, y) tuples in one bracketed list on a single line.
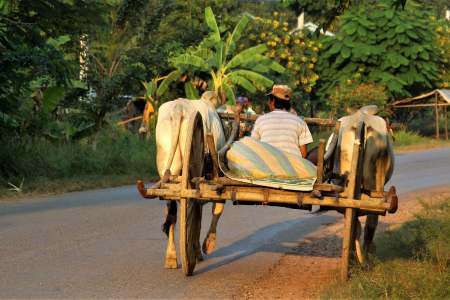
[(314, 262)]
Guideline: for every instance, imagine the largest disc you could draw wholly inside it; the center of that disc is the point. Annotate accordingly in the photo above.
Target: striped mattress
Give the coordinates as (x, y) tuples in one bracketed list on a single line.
[(256, 162)]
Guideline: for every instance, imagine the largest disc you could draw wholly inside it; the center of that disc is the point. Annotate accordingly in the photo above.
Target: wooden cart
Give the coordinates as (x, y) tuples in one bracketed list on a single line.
[(202, 182)]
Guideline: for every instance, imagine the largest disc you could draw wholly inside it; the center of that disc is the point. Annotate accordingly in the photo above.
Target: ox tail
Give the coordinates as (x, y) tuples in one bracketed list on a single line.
[(175, 117)]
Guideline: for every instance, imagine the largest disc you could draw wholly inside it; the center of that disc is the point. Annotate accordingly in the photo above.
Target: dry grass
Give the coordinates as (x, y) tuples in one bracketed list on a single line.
[(412, 262)]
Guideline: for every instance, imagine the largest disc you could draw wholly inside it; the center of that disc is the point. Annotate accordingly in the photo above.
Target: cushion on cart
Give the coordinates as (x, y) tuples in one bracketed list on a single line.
[(255, 160)]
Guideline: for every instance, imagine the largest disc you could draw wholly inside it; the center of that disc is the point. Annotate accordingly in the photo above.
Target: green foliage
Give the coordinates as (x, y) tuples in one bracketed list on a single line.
[(39, 59), (171, 26), (438, 7), (412, 262), (326, 12), (394, 48), (442, 29), (217, 59), (117, 152), (347, 97), (110, 63)]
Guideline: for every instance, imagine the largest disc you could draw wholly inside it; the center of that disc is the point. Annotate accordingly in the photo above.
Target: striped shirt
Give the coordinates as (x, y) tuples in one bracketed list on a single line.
[(282, 130)]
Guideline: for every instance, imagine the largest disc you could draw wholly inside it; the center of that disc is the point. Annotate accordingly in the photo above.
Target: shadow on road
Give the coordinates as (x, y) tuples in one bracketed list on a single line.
[(275, 240)]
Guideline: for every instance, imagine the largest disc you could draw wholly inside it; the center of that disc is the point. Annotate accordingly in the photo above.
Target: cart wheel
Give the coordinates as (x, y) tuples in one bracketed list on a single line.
[(351, 214), (190, 209)]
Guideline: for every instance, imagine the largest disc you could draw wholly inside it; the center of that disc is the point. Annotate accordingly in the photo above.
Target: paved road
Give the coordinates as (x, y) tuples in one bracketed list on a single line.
[(107, 243)]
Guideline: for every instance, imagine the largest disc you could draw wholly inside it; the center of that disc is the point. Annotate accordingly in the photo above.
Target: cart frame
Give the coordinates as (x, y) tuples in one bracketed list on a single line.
[(194, 188)]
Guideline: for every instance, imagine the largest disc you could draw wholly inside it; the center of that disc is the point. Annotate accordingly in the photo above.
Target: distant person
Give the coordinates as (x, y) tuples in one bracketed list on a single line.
[(245, 105)]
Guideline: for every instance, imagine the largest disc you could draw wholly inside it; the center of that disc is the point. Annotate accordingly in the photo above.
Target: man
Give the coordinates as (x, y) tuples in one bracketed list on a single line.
[(280, 128)]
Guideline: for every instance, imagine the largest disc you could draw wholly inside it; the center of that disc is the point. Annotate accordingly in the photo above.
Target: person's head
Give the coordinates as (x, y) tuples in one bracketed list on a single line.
[(280, 98), (243, 101)]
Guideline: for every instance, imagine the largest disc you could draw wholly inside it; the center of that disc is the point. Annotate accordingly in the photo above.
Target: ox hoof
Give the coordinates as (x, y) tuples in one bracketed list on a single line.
[(171, 263), (209, 244)]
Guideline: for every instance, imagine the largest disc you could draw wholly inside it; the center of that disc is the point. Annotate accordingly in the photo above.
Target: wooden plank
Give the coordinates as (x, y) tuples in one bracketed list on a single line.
[(350, 190), (328, 187), (436, 115), (351, 216), (347, 242), (129, 120), (446, 122), (320, 157), (408, 100), (421, 105), (377, 205), (309, 121), (225, 181)]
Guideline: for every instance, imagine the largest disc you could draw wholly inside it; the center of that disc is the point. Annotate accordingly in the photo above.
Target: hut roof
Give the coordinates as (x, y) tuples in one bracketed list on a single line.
[(443, 98)]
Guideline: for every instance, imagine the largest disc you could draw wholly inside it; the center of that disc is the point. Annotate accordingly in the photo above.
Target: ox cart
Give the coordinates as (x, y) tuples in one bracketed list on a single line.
[(202, 180)]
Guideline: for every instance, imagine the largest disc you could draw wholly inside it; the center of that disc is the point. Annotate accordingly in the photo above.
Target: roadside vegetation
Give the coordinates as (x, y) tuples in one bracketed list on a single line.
[(406, 141), (412, 261), (118, 157)]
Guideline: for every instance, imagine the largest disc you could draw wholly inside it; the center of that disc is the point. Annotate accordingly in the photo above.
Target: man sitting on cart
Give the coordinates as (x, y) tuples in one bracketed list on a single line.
[(280, 128), (277, 146)]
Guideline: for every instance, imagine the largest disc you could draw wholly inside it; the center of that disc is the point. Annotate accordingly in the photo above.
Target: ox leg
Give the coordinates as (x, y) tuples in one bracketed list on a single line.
[(209, 244), (372, 220), (358, 248), (369, 233), (198, 249), (169, 229)]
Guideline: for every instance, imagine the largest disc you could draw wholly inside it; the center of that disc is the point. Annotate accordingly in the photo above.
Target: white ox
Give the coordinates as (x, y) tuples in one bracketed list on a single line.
[(378, 153), (171, 131)]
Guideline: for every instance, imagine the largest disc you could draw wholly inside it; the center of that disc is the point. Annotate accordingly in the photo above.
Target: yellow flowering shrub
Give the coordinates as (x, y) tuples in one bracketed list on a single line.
[(294, 50)]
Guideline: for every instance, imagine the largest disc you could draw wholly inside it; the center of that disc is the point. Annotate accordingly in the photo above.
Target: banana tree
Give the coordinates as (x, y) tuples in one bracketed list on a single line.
[(224, 63), (154, 89)]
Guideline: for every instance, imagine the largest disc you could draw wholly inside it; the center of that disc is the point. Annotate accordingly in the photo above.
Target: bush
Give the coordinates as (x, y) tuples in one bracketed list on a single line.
[(117, 152), (349, 96)]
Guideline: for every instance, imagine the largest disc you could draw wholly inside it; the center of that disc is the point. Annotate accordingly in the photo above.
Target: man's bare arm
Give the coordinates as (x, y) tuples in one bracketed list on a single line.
[(303, 151)]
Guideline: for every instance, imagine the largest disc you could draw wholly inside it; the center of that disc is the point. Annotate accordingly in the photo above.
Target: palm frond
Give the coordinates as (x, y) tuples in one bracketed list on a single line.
[(229, 93), (236, 34), (164, 86), (246, 56), (187, 60), (212, 24), (264, 65), (242, 81), (190, 91), (261, 82)]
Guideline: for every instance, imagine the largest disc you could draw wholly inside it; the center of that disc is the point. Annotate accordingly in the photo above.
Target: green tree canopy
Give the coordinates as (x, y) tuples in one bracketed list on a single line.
[(326, 12), (219, 59), (394, 48)]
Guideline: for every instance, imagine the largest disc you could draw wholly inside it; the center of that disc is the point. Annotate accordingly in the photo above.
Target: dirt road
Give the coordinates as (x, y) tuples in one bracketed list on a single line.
[(107, 243)]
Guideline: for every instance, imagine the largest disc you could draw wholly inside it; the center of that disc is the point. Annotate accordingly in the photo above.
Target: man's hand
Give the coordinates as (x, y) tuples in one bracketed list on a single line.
[(303, 151)]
